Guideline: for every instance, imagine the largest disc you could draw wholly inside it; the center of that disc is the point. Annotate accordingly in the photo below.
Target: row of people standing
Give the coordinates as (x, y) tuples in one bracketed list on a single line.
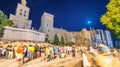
[(24, 52)]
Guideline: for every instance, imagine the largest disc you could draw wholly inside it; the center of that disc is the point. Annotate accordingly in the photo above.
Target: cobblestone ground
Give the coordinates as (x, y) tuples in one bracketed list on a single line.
[(67, 62)]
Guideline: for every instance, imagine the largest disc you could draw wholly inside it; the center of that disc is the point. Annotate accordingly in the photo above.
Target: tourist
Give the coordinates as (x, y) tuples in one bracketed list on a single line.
[(14, 51), (68, 50), (59, 52), (47, 52), (95, 52), (86, 62), (28, 52), (32, 50), (73, 51), (105, 51), (63, 52), (91, 50), (42, 51), (2, 51), (115, 55), (55, 51), (115, 52), (37, 51), (20, 52), (24, 53), (51, 52), (1, 48), (10, 50), (6, 52)]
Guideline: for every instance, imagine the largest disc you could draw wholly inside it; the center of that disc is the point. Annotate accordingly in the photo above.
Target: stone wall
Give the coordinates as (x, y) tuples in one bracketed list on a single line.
[(13, 34)]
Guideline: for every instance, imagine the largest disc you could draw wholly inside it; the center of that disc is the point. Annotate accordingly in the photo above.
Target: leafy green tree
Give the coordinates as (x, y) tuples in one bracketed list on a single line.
[(62, 40), (2, 16), (4, 22), (56, 40), (112, 17), (1, 30), (70, 43), (46, 40)]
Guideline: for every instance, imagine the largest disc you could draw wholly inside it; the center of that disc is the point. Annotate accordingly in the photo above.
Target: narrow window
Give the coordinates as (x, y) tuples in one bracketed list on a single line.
[(20, 14), (24, 15), (25, 11), (48, 30)]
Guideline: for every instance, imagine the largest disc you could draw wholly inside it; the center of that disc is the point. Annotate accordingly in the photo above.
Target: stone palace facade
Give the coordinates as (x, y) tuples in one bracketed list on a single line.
[(85, 37), (21, 29), (21, 17), (47, 27)]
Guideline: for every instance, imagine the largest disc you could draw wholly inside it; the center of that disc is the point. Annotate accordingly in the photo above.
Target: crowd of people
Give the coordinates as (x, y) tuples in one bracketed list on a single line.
[(26, 52), (45, 51)]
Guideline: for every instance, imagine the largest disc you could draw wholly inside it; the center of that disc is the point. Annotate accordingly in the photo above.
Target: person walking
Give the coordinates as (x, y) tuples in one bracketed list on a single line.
[(73, 51), (105, 51), (42, 51), (20, 52), (86, 62)]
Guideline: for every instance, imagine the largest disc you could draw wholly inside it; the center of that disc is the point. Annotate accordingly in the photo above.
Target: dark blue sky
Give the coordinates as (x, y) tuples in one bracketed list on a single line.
[(71, 15)]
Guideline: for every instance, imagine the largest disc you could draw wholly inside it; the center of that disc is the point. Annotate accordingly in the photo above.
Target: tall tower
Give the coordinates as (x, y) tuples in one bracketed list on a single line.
[(47, 24), (109, 39), (21, 17), (23, 2)]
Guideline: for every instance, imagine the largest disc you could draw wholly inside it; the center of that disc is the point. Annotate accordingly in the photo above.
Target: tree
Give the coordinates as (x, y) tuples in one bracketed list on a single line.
[(62, 40), (2, 16), (70, 43), (56, 40), (46, 40), (1, 30), (4, 22), (112, 17)]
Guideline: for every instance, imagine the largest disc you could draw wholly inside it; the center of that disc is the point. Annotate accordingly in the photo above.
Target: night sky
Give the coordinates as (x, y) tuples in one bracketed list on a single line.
[(71, 15)]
